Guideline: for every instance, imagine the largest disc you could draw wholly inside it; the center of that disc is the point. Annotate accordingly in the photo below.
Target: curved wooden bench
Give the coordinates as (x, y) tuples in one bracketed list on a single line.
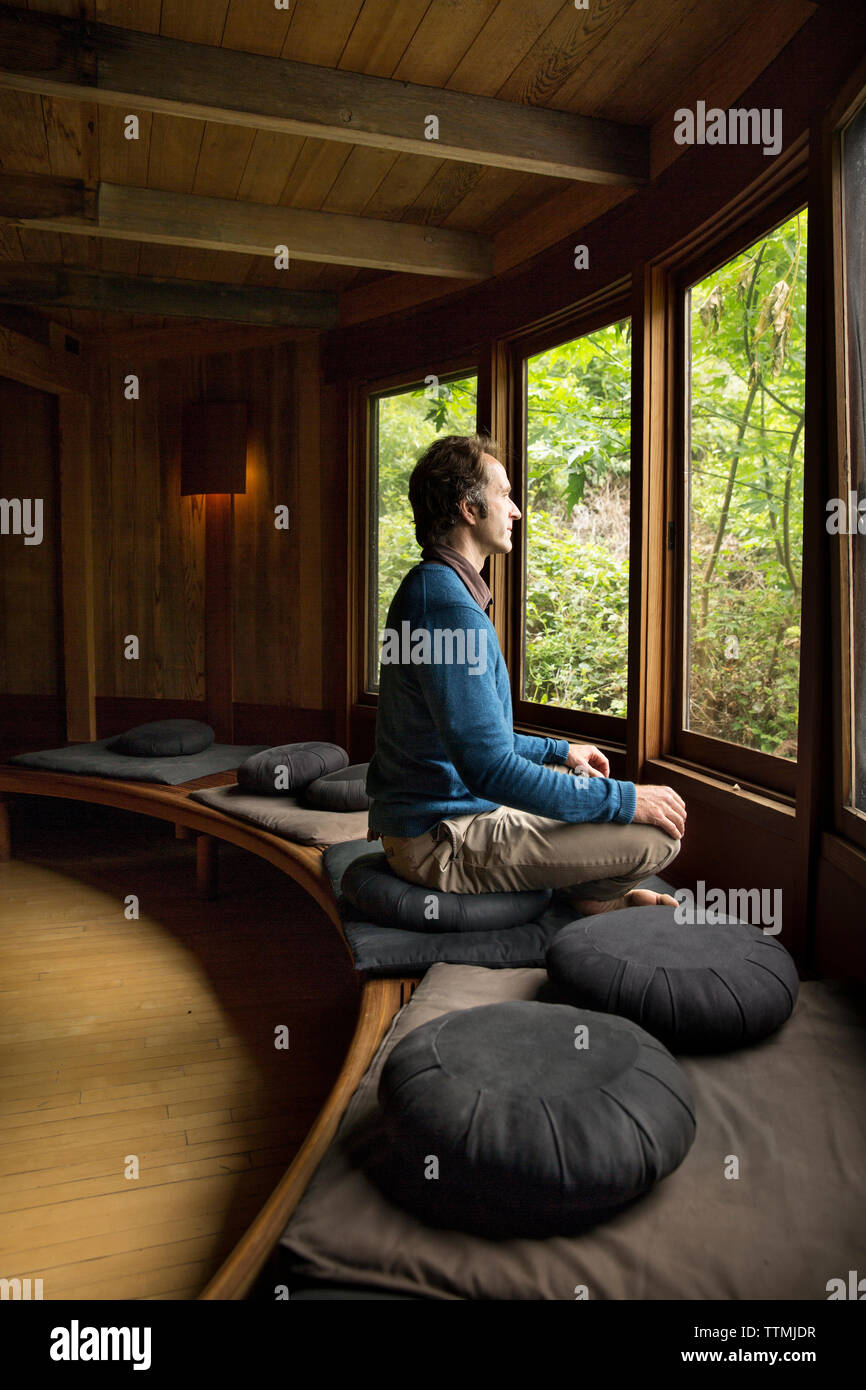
[(303, 863), (380, 998)]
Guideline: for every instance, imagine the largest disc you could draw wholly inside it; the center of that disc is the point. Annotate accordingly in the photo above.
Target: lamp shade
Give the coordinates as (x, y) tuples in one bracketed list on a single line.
[(214, 447)]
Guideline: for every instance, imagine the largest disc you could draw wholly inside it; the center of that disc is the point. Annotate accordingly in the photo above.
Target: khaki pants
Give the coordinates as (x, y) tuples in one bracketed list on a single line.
[(512, 850)]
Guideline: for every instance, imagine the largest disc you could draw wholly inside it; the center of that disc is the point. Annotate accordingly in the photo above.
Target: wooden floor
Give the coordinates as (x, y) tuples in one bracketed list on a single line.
[(154, 1040)]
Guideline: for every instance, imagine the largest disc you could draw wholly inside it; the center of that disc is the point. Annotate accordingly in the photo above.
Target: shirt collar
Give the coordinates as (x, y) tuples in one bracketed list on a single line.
[(447, 555)]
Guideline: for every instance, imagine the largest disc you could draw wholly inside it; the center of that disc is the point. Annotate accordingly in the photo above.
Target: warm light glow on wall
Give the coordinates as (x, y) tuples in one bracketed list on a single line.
[(256, 461)]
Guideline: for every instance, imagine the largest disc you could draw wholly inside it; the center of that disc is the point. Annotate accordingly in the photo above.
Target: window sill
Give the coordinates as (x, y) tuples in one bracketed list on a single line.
[(609, 746), (765, 808)]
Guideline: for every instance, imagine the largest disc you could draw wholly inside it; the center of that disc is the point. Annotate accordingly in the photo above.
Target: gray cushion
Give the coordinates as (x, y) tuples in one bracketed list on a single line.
[(789, 1109), (371, 885), (697, 988), (284, 815), (94, 760), (533, 1134), (290, 767), (379, 950), (343, 790), (164, 738)]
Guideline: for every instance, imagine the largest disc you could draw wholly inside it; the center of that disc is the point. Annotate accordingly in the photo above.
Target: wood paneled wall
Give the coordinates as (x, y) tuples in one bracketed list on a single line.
[(31, 661), (288, 587), (149, 565)]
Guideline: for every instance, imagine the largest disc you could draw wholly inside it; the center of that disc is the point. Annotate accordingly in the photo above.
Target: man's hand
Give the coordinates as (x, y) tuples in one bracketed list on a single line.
[(588, 759), (660, 806)]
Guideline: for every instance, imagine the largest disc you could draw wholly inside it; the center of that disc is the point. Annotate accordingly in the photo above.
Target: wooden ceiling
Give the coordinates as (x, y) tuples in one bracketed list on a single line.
[(631, 62)]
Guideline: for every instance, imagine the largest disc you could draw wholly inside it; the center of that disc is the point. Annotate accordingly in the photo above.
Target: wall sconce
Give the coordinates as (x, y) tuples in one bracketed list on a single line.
[(214, 452), (214, 463)]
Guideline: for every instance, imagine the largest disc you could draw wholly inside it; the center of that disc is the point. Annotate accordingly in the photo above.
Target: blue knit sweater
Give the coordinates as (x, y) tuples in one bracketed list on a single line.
[(445, 743)]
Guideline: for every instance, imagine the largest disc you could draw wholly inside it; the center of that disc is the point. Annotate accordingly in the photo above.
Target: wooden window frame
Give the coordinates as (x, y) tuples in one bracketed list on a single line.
[(842, 818), (361, 483), (733, 760), (614, 304)]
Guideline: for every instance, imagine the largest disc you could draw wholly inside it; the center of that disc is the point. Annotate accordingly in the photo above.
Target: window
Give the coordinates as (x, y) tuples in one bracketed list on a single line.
[(854, 510), (576, 519), (402, 424), (745, 412)]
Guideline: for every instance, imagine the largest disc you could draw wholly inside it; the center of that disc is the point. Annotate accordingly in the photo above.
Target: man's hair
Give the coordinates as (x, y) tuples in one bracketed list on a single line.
[(450, 471)]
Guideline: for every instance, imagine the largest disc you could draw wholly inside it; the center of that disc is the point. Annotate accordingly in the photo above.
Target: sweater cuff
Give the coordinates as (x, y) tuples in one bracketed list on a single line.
[(628, 803), (560, 747)]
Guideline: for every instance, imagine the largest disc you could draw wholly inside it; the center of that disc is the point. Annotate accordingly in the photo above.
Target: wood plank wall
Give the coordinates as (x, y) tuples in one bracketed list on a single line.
[(31, 662), (149, 541), (149, 552)]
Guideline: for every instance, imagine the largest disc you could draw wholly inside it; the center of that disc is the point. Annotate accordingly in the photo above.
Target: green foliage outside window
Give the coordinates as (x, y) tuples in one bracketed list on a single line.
[(577, 522), (748, 360)]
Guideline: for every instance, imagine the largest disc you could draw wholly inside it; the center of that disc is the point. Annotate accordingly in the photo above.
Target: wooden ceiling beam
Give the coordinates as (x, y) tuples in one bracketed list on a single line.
[(70, 287), (41, 195), (253, 229), (85, 61), (36, 365), (199, 338)]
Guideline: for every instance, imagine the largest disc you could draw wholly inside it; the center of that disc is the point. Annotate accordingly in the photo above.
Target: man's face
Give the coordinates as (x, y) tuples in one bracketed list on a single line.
[(493, 533)]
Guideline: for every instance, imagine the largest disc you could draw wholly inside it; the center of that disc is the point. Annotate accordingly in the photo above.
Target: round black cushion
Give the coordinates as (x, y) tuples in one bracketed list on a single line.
[(374, 889), (164, 738), (697, 988), (532, 1135), (340, 791), (290, 767)]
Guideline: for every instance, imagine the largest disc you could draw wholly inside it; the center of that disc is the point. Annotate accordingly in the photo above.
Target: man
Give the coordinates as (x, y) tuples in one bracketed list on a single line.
[(462, 802)]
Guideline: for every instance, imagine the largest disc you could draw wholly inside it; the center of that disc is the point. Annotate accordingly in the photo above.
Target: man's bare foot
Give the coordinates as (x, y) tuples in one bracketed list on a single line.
[(638, 897)]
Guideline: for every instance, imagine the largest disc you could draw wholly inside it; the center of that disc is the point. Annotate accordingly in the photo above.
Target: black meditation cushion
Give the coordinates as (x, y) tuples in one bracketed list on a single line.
[(526, 1119), (164, 738), (290, 767), (374, 889), (343, 790), (699, 988)]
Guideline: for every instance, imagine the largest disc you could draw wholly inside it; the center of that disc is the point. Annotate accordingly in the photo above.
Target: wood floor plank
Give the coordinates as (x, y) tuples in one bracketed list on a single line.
[(105, 1177), (86, 1279), (137, 1206), (161, 1244), (99, 1118), (145, 1037), (134, 1285), (25, 1099), (70, 1190), (86, 1056)]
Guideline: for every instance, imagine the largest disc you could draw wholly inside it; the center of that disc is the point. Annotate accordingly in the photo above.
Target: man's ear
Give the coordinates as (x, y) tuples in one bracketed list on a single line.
[(468, 512)]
